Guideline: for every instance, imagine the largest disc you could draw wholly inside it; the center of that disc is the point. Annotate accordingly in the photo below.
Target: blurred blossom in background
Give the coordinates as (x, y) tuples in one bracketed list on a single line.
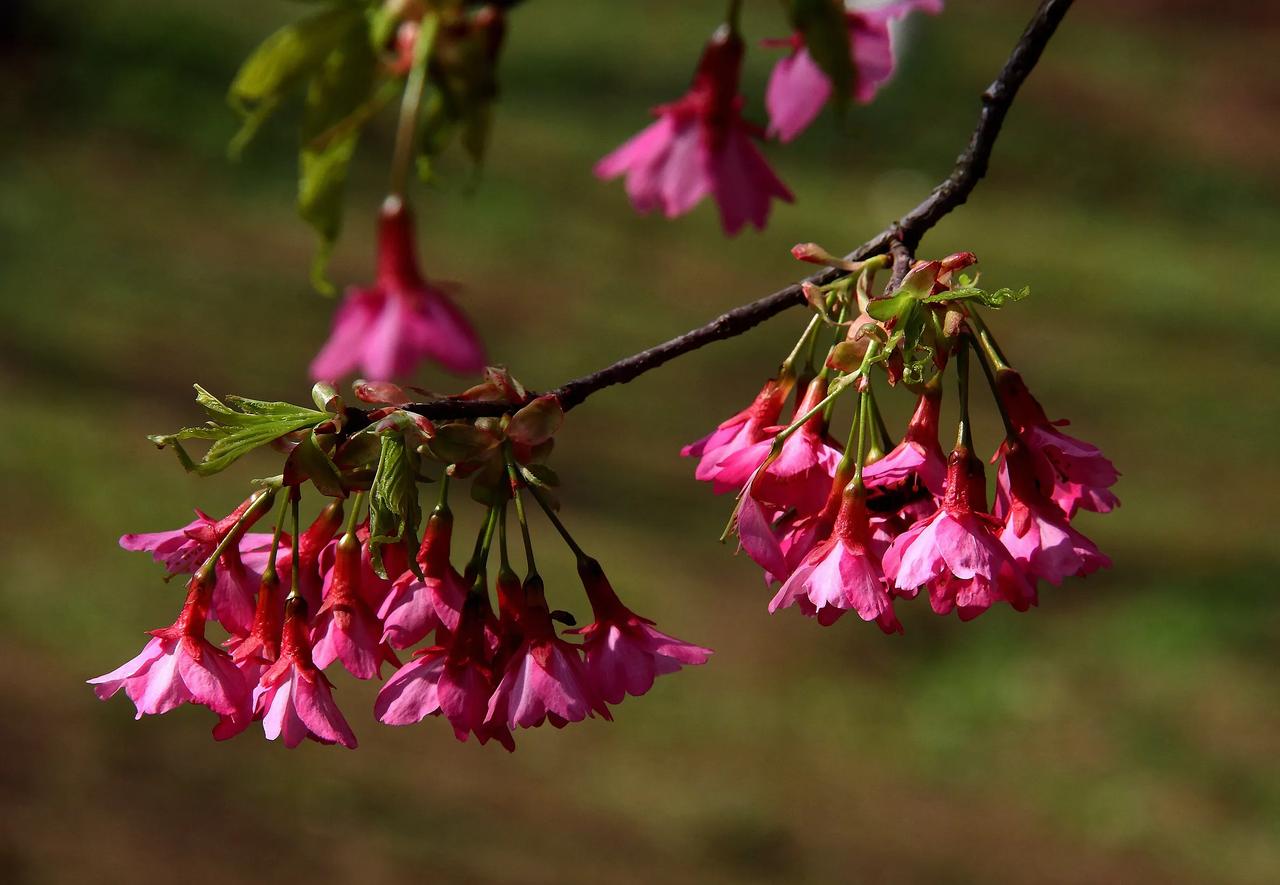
[(1126, 730)]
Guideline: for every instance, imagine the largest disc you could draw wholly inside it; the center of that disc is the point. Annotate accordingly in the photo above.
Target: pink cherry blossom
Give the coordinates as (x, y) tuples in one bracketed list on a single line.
[(842, 573), (294, 700), (545, 679), (625, 652), (701, 145), (801, 475), (345, 628), (454, 679), (386, 330), (1035, 530), (1077, 472), (749, 426), (182, 551), (918, 458), (417, 606), (798, 88), (179, 666), (955, 552)]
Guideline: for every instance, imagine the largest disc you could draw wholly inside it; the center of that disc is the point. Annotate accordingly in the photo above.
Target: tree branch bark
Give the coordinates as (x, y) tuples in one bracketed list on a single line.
[(902, 237)]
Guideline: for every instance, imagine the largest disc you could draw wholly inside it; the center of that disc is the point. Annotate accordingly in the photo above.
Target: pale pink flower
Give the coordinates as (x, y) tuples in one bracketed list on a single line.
[(417, 606), (454, 679), (182, 551), (1076, 472), (801, 475), (955, 552), (545, 680), (798, 88), (918, 459), (749, 426), (345, 628), (625, 652), (294, 700), (842, 573), (179, 666), (701, 145), (389, 328), (1035, 531)]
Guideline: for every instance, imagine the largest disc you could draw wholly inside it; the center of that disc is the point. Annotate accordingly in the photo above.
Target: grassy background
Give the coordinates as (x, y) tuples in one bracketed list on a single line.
[(1124, 731)]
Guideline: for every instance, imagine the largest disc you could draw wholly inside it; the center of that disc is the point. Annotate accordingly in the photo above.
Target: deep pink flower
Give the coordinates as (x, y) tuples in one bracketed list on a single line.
[(955, 552), (1035, 531), (701, 145), (182, 551), (801, 475), (345, 628), (179, 666), (842, 573), (744, 429), (625, 652), (416, 606), (387, 329), (260, 648), (545, 679), (294, 700), (1077, 472), (918, 459), (454, 679), (798, 88)]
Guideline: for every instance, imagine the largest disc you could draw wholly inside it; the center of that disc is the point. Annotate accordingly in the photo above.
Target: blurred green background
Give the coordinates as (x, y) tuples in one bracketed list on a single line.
[(1125, 731)]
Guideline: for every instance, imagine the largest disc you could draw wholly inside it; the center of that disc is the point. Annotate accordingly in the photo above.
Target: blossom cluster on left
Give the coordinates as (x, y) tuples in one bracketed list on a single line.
[(356, 588)]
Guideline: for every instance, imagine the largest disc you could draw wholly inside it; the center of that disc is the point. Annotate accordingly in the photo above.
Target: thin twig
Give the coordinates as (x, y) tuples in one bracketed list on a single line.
[(969, 168)]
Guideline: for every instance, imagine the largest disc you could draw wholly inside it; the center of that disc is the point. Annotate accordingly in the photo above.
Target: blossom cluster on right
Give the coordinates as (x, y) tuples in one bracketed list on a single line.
[(860, 525)]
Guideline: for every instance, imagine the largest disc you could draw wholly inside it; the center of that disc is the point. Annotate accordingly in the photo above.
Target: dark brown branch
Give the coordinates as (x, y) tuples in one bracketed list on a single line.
[(902, 237)]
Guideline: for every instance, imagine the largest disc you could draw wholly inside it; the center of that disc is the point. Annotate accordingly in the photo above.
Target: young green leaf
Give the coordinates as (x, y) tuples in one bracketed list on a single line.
[(236, 429), (394, 512)]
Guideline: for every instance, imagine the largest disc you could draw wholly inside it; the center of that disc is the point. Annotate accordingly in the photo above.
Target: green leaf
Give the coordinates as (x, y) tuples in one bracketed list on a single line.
[(885, 309), (998, 298), (394, 512), (309, 460), (826, 36), (236, 429), (333, 117), (283, 61)]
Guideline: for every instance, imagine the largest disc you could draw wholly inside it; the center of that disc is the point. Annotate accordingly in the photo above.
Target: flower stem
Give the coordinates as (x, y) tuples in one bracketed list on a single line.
[(354, 515), (233, 535), (514, 477), (555, 521), (275, 535), (964, 433), (985, 359), (415, 85), (295, 500)]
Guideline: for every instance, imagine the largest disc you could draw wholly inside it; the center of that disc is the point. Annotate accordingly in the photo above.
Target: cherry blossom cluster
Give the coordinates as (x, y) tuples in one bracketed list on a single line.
[(859, 525), (354, 590)]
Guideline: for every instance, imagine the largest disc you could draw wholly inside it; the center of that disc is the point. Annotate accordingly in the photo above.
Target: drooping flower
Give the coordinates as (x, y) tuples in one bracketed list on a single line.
[(798, 88), (801, 475), (454, 679), (545, 679), (345, 628), (182, 551), (416, 606), (625, 652), (842, 573), (744, 429), (1036, 532), (260, 648), (701, 145), (1074, 473), (311, 545), (294, 699), (179, 666), (955, 552), (918, 459), (387, 329)]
